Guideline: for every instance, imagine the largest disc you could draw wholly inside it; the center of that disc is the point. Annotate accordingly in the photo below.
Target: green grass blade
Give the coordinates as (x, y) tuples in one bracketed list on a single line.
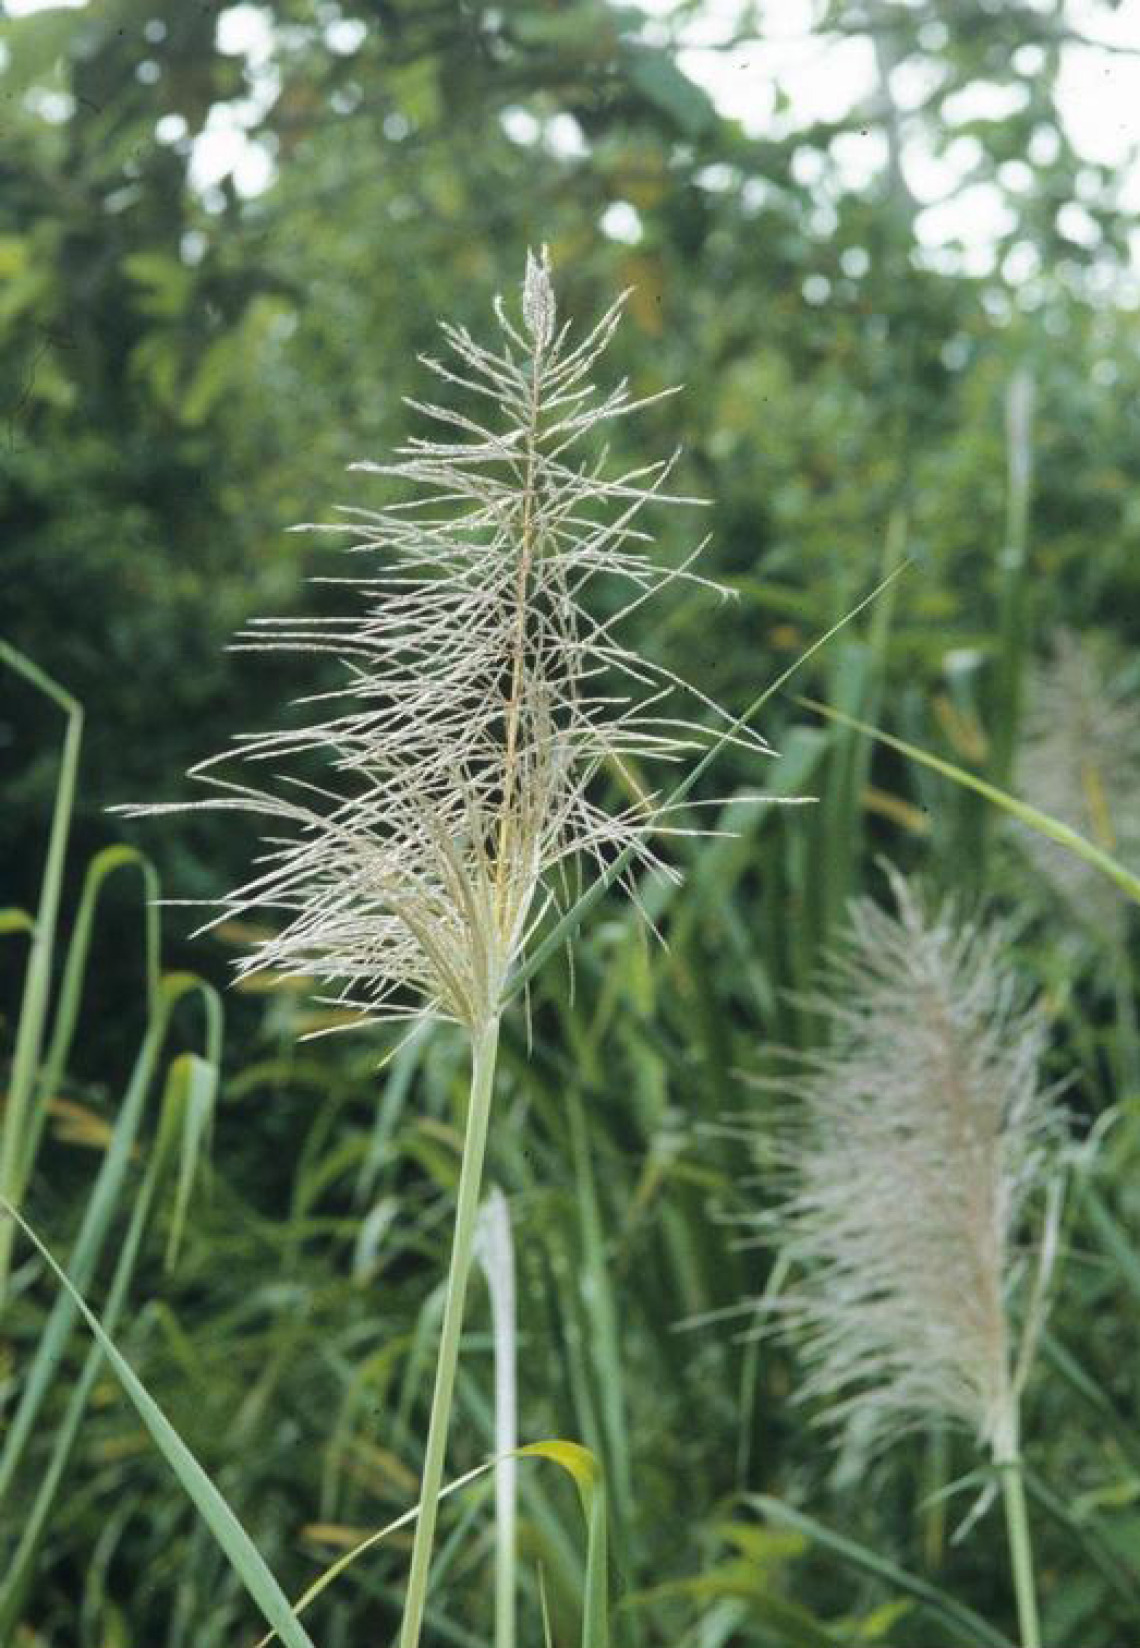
[(602, 1316), (37, 979), (975, 1630), (581, 1465), (839, 819), (213, 1508), (744, 1581), (858, 673), (102, 866), (1085, 1386), (13, 1588), (187, 1115), (98, 1214), (1021, 810), (404, 1520), (1086, 1532), (1112, 1238)]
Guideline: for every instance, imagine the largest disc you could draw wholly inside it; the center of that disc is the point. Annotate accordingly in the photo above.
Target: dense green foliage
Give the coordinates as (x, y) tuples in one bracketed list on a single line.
[(188, 370)]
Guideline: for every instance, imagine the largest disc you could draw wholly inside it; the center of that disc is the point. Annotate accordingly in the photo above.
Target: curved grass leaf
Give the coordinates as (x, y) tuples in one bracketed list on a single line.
[(581, 1466), (1112, 1238), (1086, 1531), (1081, 1382), (102, 866), (192, 1086), (404, 1520), (973, 1629), (187, 1067), (213, 1508), (749, 1576), (17, 1579), (1021, 810), (37, 979), (101, 1207)]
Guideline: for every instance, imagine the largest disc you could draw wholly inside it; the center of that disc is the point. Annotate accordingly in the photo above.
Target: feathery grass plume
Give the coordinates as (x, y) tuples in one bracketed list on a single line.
[(920, 1132), (1079, 761), (434, 812), (483, 698)]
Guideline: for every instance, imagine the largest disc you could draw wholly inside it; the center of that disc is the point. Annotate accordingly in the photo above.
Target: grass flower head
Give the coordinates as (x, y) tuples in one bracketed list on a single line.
[(1080, 762), (453, 775), (919, 1134)]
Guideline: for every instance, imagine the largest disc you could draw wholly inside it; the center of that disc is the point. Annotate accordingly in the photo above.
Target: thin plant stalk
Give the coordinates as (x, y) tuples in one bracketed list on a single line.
[(484, 1048), (1016, 588), (934, 1514), (1020, 1552), (496, 1255), (19, 1119)]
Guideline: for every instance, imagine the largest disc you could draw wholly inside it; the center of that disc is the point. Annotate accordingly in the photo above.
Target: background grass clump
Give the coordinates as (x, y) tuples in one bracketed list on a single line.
[(192, 355)]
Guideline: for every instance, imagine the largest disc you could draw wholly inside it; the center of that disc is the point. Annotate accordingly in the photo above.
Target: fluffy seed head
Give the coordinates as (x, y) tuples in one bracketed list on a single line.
[(1080, 762), (916, 1138), (420, 829)]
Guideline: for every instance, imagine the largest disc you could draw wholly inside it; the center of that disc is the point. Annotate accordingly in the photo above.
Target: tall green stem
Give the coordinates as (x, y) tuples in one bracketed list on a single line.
[(484, 1047), (1016, 589), (19, 1118), (1020, 1552)]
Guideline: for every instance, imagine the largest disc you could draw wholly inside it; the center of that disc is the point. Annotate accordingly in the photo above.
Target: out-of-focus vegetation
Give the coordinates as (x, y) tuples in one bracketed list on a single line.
[(187, 370)]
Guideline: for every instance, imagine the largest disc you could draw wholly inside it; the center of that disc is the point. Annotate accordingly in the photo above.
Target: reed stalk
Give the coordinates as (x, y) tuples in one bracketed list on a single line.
[(19, 1120), (440, 807), (1020, 1551), (484, 1047)]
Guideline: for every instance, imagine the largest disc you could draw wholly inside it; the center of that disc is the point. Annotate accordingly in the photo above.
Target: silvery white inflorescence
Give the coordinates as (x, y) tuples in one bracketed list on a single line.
[(917, 1137), (1079, 761), (458, 762)]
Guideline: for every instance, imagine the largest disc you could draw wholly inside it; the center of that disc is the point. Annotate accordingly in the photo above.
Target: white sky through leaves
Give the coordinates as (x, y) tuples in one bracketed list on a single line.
[(816, 77)]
